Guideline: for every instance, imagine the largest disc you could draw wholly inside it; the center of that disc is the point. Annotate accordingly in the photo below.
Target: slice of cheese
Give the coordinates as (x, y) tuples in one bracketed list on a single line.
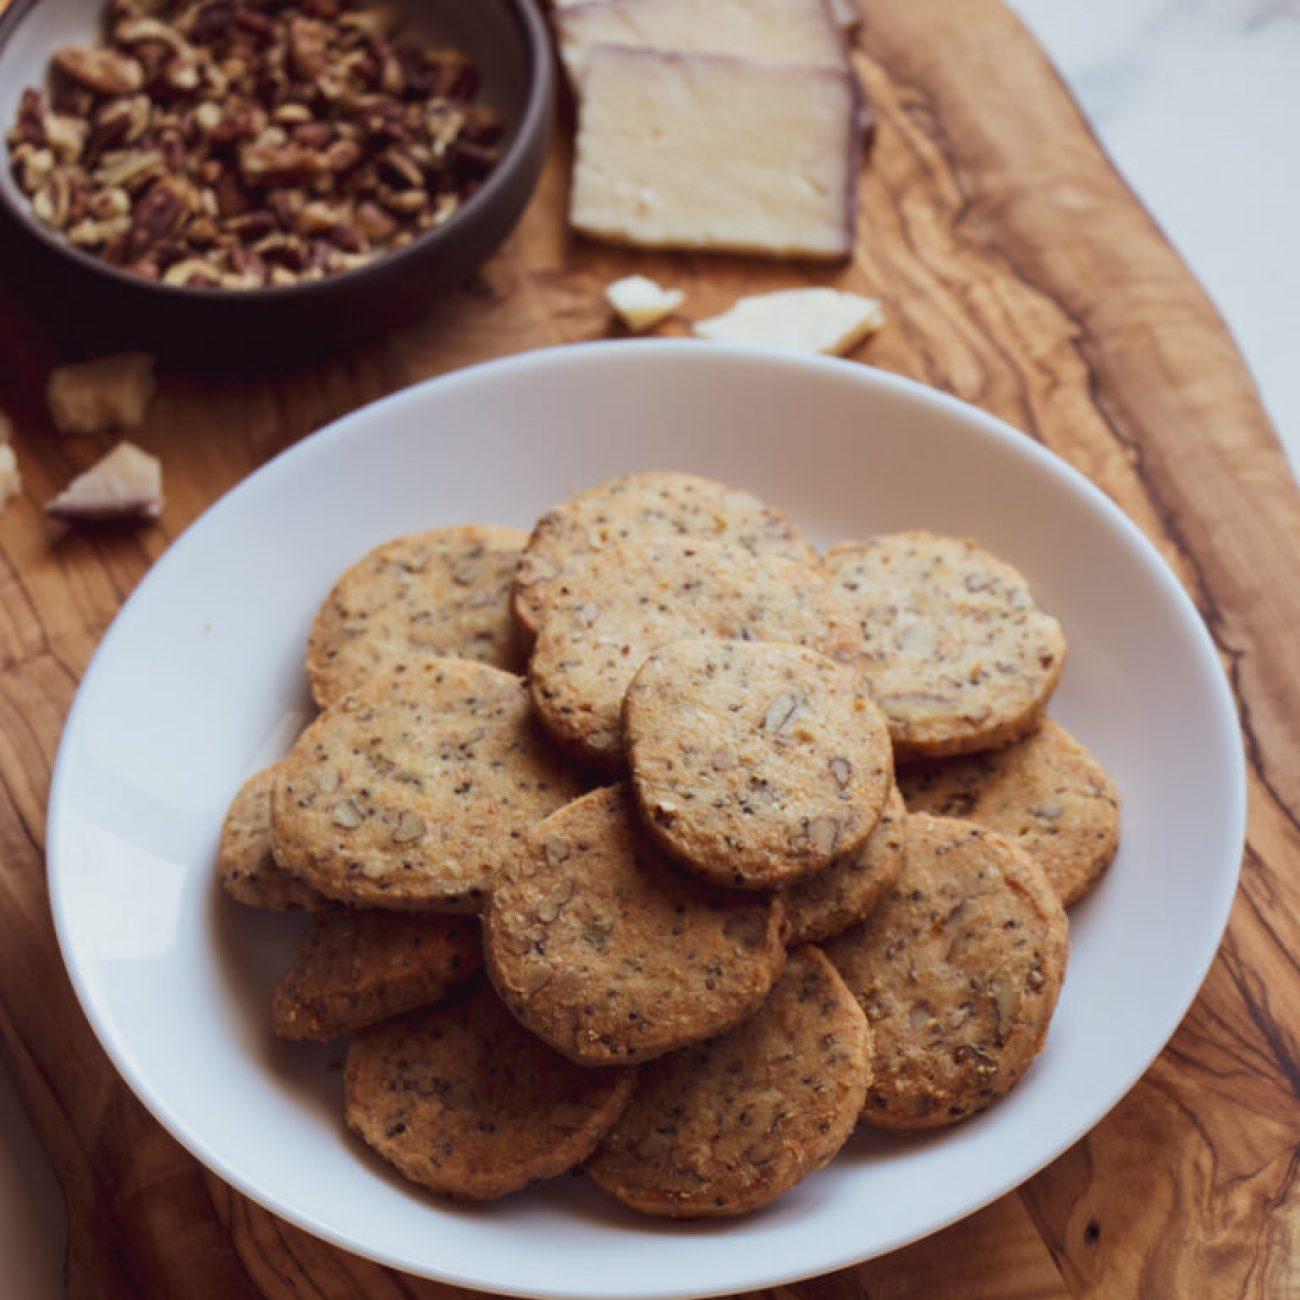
[(787, 31), (708, 152), (802, 320), (641, 303)]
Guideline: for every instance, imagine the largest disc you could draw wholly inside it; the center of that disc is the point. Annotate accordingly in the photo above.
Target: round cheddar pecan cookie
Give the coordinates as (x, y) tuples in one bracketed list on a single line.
[(440, 594), (607, 953), (754, 764), (1045, 793), (615, 606), (246, 866), (957, 654), (958, 971), (849, 889), (412, 792), (355, 968), (727, 1126), (463, 1099), (644, 507)]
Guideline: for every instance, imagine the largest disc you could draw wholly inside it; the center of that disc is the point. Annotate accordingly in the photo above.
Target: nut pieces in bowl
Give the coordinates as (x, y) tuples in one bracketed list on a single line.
[(221, 145)]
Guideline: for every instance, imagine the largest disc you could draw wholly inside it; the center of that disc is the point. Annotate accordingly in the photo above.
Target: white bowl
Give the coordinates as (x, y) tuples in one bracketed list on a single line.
[(199, 682)]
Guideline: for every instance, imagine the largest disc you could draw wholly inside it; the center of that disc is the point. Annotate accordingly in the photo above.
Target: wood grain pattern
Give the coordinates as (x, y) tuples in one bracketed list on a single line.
[(1018, 273)]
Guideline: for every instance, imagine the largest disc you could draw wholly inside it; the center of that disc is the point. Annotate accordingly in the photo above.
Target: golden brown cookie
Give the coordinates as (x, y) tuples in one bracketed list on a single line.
[(355, 968), (1045, 793), (727, 1126), (754, 764), (617, 605), (440, 594), (848, 890), (957, 654), (460, 1097), (605, 951), (246, 867), (958, 970), (644, 507), (412, 792)]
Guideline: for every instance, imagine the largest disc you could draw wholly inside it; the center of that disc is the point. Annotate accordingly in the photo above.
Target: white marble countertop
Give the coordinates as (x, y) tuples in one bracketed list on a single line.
[(1198, 102)]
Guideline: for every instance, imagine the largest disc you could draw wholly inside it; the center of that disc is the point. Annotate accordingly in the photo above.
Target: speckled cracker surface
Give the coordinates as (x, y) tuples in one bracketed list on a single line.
[(958, 971), (463, 1099), (246, 866), (615, 606), (957, 654), (754, 764), (356, 967), (608, 953), (413, 791), (729, 1125), (444, 593), (1045, 793), (642, 507), (849, 889)]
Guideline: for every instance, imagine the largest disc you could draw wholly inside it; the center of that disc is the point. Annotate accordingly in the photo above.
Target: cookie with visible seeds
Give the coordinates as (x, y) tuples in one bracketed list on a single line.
[(644, 507), (440, 594), (958, 971), (463, 1099), (615, 606), (727, 1126), (1045, 793), (754, 764), (609, 954), (355, 968), (849, 889), (957, 654), (246, 866), (412, 792)]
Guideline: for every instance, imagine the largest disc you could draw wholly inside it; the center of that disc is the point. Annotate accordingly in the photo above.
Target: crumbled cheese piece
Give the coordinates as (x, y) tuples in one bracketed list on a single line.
[(641, 303), (107, 393), (788, 31), (846, 14), (126, 485), (804, 320), (11, 482), (708, 152)]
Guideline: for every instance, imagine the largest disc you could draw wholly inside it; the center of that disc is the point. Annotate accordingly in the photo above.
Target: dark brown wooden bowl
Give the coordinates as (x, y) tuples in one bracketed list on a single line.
[(91, 305)]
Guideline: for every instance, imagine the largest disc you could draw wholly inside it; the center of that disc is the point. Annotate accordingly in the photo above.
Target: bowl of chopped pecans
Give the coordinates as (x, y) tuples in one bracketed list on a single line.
[(243, 181)]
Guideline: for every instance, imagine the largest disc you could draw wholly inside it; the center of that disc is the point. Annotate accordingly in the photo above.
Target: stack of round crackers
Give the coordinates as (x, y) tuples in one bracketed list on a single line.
[(658, 844)]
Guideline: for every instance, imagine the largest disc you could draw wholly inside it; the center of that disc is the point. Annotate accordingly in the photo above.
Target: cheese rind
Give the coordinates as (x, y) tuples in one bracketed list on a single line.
[(641, 303), (801, 320), (707, 152), (784, 31)]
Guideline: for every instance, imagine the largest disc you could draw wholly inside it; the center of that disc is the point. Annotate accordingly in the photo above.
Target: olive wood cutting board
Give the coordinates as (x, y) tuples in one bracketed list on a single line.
[(1019, 273)]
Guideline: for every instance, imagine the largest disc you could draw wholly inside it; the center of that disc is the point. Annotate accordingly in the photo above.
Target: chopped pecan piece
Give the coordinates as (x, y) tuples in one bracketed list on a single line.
[(106, 72)]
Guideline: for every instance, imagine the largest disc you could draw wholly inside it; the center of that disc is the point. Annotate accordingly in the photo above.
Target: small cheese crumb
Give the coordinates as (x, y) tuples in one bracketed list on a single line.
[(95, 396), (11, 483), (641, 303), (802, 320), (125, 486)]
